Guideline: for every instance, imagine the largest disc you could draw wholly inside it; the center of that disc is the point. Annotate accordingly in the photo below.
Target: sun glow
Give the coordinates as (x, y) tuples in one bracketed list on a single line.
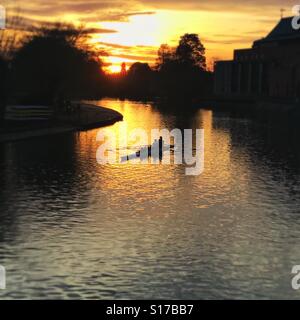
[(134, 32), (139, 38), (139, 30), (135, 40), (113, 64)]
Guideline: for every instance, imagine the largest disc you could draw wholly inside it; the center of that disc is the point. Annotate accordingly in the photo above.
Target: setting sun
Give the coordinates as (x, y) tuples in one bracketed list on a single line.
[(114, 64), (135, 33), (139, 38)]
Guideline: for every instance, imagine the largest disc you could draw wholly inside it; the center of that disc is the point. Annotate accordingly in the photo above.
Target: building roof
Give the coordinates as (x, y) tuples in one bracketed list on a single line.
[(282, 31)]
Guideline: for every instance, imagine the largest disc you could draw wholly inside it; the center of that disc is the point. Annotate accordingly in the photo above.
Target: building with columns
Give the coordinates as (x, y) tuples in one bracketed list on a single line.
[(270, 69)]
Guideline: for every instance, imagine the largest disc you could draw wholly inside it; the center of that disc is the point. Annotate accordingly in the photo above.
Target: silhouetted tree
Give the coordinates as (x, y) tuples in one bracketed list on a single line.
[(182, 71), (166, 55), (179, 73), (139, 70), (191, 51), (9, 37), (54, 62), (139, 80)]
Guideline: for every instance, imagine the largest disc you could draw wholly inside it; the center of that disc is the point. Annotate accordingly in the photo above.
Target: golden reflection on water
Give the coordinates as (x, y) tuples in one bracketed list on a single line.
[(71, 227), (165, 181)]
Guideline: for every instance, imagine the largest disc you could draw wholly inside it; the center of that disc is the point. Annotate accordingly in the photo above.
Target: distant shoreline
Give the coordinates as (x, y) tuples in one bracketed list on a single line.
[(90, 117)]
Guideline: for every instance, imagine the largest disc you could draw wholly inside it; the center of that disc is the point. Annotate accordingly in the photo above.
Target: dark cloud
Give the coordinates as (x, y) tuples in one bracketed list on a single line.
[(123, 16), (148, 50), (81, 7), (135, 53), (134, 57), (21, 23), (99, 30), (88, 10), (114, 45), (220, 5)]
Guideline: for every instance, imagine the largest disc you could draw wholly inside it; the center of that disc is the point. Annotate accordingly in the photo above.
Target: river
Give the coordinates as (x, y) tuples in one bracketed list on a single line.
[(74, 229)]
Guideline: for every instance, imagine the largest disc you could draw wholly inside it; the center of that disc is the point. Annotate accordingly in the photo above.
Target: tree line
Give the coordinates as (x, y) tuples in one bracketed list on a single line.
[(54, 63), (179, 73)]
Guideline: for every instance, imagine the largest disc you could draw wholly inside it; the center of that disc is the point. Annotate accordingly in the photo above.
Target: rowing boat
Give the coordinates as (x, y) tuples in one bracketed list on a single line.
[(146, 152)]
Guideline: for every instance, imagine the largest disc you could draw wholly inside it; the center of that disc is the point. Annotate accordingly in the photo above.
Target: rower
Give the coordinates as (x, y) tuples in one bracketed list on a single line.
[(161, 144)]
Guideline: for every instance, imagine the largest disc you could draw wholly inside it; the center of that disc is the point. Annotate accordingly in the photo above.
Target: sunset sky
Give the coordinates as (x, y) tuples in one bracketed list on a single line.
[(132, 30)]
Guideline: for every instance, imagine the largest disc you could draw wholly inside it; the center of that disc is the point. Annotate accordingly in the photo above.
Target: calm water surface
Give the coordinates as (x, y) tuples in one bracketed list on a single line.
[(71, 228)]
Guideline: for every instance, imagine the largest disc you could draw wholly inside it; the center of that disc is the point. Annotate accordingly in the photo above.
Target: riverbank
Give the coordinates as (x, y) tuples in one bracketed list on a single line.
[(87, 117)]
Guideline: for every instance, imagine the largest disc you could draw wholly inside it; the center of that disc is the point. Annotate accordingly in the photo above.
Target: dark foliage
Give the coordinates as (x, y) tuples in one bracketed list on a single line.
[(180, 73), (52, 64)]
